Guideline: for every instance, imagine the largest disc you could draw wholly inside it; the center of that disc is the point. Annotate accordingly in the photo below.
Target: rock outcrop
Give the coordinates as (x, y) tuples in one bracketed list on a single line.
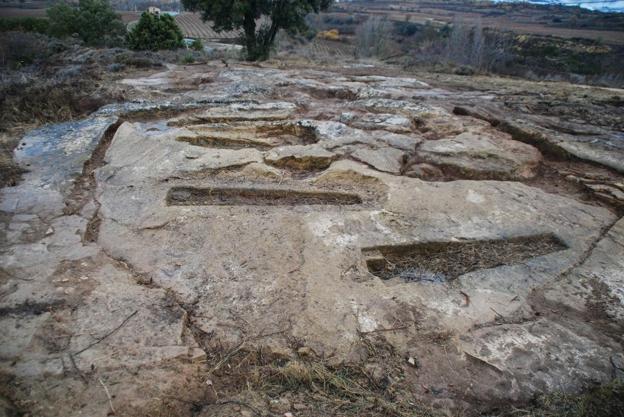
[(346, 212)]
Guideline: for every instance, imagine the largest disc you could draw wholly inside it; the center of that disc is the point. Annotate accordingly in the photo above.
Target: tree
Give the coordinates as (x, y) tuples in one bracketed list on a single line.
[(244, 14), (154, 32), (94, 21)]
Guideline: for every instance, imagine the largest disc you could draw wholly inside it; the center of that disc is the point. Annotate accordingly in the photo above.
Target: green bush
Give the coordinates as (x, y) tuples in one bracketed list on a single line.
[(188, 59), (154, 32), (24, 24), (93, 21), (197, 45)]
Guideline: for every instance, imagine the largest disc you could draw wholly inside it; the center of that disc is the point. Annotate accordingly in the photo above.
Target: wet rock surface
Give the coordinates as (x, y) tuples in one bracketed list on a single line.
[(307, 212)]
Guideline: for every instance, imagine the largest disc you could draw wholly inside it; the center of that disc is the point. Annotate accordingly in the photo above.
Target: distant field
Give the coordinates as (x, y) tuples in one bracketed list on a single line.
[(190, 23), (193, 27), (17, 12), (612, 37), (531, 20)]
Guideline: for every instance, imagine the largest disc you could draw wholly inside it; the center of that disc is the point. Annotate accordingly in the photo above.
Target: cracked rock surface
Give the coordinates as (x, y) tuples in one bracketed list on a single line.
[(268, 206)]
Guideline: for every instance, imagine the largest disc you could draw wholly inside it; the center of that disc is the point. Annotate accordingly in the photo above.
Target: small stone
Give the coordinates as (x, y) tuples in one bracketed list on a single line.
[(305, 351), (424, 171), (412, 361), (375, 372), (300, 157), (288, 414), (385, 159), (278, 352), (180, 195), (49, 231), (281, 405)]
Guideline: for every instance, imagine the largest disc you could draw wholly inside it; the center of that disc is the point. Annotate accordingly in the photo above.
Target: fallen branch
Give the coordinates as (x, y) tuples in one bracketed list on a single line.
[(467, 297), (110, 399), (241, 404), (391, 329), (107, 334), (484, 362), (73, 362), (227, 357), (497, 313)]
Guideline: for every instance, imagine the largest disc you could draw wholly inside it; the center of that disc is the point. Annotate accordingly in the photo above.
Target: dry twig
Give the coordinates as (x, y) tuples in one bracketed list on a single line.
[(110, 399), (107, 334)]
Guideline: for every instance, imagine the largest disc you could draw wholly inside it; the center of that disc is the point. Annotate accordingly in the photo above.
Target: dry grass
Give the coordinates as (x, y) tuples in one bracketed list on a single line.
[(10, 172), (603, 401), (269, 382), (442, 261)]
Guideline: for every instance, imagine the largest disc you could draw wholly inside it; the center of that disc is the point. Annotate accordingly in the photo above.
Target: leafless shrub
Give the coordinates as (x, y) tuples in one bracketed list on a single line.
[(498, 51), (18, 49), (372, 37), (465, 45), (483, 50)]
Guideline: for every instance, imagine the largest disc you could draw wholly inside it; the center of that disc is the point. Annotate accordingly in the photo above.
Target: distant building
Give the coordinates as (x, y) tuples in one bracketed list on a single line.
[(153, 10)]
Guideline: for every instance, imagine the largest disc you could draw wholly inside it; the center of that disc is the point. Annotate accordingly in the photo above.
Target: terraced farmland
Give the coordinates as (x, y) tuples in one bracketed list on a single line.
[(193, 27)]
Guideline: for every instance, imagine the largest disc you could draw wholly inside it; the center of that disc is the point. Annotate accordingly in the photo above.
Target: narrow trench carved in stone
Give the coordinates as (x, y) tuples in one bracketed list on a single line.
[(445, 261), (231, 196), (223, 142), (261, 136)]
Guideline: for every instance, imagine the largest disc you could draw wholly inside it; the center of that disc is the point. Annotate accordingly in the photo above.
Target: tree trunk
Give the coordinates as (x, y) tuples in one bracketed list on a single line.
[(249, 26), (269, 37)]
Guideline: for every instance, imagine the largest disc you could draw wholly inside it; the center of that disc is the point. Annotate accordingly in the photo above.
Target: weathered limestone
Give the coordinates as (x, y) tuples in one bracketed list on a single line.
[(559, 137), (300, 157), (390, 122), (481, 155), (238, 112), (384, 159), (167, 254)]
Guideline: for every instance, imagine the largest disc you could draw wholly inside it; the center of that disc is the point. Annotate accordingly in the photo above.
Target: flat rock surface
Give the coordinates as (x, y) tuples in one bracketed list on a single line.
[(481, 155), (294, 227)]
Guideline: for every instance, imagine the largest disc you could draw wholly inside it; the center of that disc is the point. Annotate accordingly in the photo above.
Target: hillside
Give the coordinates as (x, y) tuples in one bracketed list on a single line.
[(390, 215)]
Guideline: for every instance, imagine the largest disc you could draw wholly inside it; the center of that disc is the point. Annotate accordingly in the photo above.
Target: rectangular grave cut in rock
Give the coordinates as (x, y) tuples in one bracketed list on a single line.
[(445, 261), (232, 196), (261, 135)]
